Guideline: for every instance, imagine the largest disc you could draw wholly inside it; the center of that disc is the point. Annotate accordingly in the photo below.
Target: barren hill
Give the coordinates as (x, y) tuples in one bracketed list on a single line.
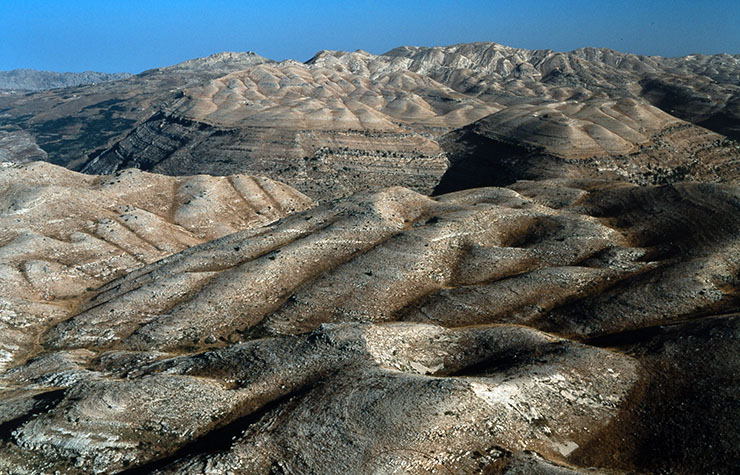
[(63, 234), (462, 259), (534, 327), (603, 139), (71, 123)]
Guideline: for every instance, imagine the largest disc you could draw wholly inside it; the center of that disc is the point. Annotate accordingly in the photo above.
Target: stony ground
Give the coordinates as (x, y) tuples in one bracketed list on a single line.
[(345, 122), (551, 327)]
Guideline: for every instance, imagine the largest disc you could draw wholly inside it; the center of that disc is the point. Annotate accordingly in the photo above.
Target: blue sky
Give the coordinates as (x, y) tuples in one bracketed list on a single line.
[(134, 35)]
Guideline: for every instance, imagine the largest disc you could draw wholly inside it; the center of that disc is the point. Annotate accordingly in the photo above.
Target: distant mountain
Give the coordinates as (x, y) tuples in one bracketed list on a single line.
[(417, 117), (405, 117), (33, 80), (223, 63), (73, 123)]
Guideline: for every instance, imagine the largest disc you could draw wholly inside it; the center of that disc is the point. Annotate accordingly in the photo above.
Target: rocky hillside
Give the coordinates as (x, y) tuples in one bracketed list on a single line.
[(602, 139), (63, 234), (33, 80), (73, 123), (545, 327), (464, 259), (18, 146)]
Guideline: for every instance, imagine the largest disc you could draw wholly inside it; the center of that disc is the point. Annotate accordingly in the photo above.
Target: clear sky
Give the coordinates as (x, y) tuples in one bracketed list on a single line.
[(134, 35)]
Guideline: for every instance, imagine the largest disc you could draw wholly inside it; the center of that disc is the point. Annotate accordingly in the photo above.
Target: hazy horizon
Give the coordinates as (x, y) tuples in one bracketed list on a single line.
[(85, 35)]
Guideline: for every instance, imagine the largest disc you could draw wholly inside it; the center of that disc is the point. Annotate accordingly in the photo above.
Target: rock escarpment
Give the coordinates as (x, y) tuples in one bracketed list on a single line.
[(321, 163), (598, 139), (544, 326), (75, 124)]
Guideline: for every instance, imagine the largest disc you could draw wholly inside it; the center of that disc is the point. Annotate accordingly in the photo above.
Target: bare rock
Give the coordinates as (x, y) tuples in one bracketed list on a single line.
[(345, 121), (550, 326), (17, 146), (63, 234)]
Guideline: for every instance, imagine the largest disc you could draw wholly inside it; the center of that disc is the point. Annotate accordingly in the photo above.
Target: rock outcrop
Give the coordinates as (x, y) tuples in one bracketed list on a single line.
[(17, 147)]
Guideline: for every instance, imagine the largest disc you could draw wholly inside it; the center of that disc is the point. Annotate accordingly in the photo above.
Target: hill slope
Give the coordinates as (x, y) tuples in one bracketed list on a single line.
[(344, 121), (392, 331), (566, 301), (359, 119), (63, 234)]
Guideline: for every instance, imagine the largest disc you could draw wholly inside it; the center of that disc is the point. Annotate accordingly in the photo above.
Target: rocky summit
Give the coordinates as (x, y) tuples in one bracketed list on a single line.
[(462, 259)]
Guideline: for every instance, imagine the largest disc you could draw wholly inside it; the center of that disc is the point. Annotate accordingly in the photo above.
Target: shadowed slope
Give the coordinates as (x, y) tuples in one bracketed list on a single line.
[(621, 139), (345, 121), (75, 124)]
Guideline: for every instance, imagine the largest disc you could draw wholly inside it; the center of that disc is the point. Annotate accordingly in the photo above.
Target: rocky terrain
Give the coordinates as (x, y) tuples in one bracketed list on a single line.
[(33, 80), (601, 139), (464, 259), (18, 146), (63, 234), (72, 123), (344, 121)]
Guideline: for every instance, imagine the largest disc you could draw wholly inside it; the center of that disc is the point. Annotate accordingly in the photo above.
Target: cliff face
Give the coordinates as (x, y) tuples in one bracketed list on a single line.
[(322, 163)]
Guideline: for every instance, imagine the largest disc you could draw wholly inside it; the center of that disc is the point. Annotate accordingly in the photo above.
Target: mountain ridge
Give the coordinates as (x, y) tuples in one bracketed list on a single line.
[(37, 80), (533, 327), (267, 117), (343, 121), (462, 259)]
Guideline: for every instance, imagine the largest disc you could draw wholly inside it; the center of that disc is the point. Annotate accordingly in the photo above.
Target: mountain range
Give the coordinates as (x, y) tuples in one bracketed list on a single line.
[(346, 120), (460, 259), (33, 80)]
